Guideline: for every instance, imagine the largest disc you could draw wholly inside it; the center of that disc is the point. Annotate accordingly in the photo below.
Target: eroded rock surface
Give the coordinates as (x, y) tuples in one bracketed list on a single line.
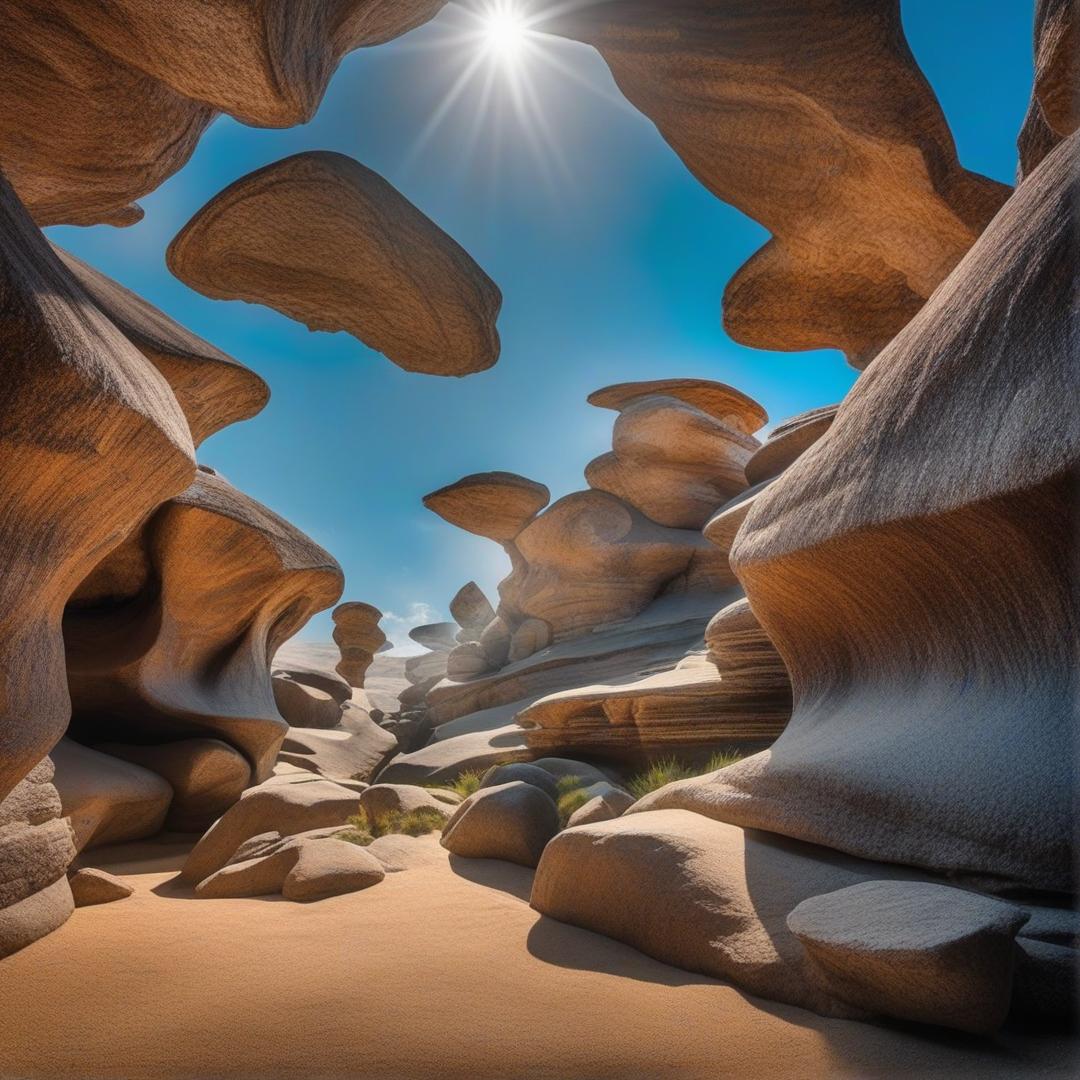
[(357, 633)]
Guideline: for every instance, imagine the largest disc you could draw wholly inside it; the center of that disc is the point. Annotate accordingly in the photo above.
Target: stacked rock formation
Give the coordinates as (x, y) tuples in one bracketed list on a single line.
[(815, 120), (358, 636), (913, 570)]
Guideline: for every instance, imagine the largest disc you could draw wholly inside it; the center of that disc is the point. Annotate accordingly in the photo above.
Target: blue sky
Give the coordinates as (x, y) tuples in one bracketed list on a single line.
[(611, 258)]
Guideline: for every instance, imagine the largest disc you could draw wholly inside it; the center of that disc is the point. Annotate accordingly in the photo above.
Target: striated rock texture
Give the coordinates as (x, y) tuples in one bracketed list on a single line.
[(92, 440), (357, 633), (169, 638), (1054, 111), (787, 441), (497, 505), (815, 120), (324, 240), (680, 447), (158, 74)]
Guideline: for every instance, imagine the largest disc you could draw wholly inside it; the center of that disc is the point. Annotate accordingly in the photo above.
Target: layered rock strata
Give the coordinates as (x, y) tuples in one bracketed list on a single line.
[(357, 634)]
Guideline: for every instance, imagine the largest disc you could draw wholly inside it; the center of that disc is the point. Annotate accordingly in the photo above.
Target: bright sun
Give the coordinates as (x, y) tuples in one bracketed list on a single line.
[(505, 31)]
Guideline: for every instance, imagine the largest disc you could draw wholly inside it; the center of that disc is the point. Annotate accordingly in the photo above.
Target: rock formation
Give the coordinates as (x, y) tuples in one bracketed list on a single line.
[(357, 633), (913, 570), (472, 611), (815, 121), (324, 240), (159, 73), (497, 505)]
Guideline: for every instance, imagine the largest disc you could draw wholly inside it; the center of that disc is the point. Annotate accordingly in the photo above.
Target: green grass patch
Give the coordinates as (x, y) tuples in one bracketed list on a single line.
[(363, 828), (466, 783), (667, 771)]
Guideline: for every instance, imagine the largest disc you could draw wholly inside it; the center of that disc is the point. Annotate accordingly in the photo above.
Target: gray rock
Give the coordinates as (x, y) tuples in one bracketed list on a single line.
[(527, 774), (513, 822)]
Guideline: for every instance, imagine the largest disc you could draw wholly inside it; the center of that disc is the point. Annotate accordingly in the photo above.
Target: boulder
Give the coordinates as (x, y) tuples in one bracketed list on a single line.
[(447, 759), (397, 852), (90, 886), (330, 868), (355, 755), (283, 808), (326, 241), (914, 950), (380, 799), (603, 801), (498, 775), (305, 706), (471, 610), (513, 822)]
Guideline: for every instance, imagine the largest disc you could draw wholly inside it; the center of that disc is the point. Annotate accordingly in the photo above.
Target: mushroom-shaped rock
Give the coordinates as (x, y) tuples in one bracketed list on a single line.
[(381, 799), (107, 800), (90, 887), (324, 240), (497, 505), (82, 407), (914, 950), (206, 776), (815, 120), (876, 563), (527, 774), (284, 808), (212, 388), (734, 409), (357, 633), (355, 754), (471, 610), (1054, 111), (170, 637), (787, 441), (513, 822)]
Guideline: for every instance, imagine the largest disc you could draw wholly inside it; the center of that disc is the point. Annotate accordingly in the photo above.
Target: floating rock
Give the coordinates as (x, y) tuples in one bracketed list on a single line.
[(512, 822), (107, 800), (326, 241), (357, 633), (345, 754), (522, 771), (674, 460), (284, 808), (206, 776), (90, 887), (380, 799), (817, 123), (914, 951), (497, 505)]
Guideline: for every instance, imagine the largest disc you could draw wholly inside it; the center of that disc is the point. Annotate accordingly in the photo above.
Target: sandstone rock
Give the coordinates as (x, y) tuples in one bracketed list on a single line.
[(530, 636), (673, 460), (447, 759), (498, 775), (334, 754), (876, 564), (512, 822), (721, 529), (1054, 111), (211, 387), (438, 637), (815, 121), (411, 731), (262, 875), (318, 678), (497, 505), (357, 633), (170, 637), (305, 706), (467, 661), (286, 809), (427, 666), (380, 799), (89, 887), (495, 642), (787, 441), (397, 852), (328, 242), (330, 868), (206, 776), (471, 610), (108, 801), (914, 950), (93, 439)]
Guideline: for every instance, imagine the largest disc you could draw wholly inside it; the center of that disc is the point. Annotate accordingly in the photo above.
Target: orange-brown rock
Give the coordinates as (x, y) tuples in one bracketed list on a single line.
[(787, 441), (1054, 111), (815, 120), (674, 460), (170, 638), (326, 241), (357, 633), (92, 440), (497, 505), (212, 388)]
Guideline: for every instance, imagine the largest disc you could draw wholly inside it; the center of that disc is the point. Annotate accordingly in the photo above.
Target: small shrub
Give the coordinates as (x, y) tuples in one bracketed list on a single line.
[(569, 801), (568, 783), (465, 784), (721, 759), (363, 829), (667, 771)]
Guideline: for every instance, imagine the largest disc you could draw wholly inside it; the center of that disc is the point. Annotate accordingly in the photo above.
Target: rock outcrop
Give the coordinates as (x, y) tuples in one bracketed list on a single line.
[(328, 242), (472, 611), (816, 121), (357, 633)]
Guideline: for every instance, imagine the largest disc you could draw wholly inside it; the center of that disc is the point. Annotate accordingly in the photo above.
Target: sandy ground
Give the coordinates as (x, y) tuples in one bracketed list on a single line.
[(440, 972)]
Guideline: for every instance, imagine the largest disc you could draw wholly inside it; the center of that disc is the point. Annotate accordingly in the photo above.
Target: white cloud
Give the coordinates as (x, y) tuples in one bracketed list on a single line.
[(397, 627)]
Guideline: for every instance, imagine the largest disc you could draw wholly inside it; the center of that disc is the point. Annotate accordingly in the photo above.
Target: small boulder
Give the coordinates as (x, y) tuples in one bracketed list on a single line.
[(914, 950), (327, 868), (382, 799), (513, 822), (89, 887), (305, 706), (604, 802), (397, 852), (527, 774)]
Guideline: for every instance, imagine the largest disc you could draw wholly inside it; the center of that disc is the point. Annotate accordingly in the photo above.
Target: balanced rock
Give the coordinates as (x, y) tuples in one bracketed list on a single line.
[(914, 950), (90, 887), (471, 610), (513, 821), (357, 633), (497, 505), (328, 242), (815, 121)]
